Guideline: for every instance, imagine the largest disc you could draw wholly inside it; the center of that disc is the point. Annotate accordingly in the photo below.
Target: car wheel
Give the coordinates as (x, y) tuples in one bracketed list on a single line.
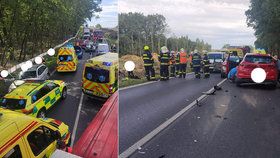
[(64, 93), (41, 113)]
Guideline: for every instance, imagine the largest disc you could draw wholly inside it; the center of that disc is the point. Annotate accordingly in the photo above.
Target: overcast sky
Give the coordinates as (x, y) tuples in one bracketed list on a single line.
[(108, 16), (217, 22)]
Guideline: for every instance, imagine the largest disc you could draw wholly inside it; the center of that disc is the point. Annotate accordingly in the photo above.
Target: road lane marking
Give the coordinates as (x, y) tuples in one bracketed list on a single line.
[(146, 83), (161, 127), (77, 120)]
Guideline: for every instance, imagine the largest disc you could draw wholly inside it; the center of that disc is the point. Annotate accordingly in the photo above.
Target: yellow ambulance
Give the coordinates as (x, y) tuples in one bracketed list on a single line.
[(25, 136), (100, 76), (67, 60)]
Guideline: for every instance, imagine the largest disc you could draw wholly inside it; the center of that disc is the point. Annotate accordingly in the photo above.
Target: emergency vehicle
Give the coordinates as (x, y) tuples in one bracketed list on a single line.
[(25, 136), (100, 76), (34, 97), (67, 60)]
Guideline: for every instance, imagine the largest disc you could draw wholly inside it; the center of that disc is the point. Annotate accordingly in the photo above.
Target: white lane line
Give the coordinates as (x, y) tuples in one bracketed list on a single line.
[(146, 83), (77, 120), (161, 127)]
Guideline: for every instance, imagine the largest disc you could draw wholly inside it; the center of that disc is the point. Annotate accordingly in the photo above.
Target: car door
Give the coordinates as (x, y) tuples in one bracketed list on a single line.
[(40, 73), (41, 142), (41, 98), (55, 93)]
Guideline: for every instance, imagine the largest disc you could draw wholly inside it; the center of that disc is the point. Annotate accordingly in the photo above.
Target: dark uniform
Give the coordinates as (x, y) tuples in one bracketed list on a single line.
[(172, 65), (148, 64), (164, 65), (196, 64), (177, 64), (206, 65)]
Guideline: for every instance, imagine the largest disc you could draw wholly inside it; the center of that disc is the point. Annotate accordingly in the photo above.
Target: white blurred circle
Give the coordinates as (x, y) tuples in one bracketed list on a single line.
[(24, 67), (51, 52), (129, 66), (4, 73), (38, 60), (258, 75), (29, 64)]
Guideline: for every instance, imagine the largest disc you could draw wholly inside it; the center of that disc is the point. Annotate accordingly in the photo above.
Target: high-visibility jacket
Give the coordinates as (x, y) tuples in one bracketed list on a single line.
[(205, 61), (147, 58), (183, 57), (164, 58), (172, 59), (196, 60)]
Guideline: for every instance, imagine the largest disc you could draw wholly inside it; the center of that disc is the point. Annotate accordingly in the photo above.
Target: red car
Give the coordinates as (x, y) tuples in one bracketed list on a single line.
[(252, 61), (230, 62)]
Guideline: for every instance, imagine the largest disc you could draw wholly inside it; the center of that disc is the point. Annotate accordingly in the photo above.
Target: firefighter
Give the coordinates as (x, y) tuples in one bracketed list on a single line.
[(177, 63), (172, 63), (148, 63), (183, 63), (206, 65), (164, 57), (196, 63)]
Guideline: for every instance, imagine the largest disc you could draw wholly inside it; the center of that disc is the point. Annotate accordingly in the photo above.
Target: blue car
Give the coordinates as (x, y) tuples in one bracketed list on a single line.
[(79, 52)]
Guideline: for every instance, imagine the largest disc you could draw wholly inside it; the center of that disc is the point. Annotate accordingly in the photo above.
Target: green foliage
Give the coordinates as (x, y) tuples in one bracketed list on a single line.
[(137, 30), (264, 17), (28, 27)]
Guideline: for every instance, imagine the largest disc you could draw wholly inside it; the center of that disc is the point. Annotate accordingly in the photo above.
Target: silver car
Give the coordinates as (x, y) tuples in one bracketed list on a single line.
[(216, 59), (36, 72)]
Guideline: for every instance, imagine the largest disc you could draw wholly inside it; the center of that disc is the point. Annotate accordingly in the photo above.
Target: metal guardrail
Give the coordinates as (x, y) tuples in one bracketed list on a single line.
[(14, 68)]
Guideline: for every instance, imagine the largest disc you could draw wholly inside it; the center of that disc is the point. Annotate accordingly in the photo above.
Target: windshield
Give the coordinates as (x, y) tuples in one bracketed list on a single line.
[(28, 74), (234, 59), (215, 56), (13, 104), (97, 75), (258, 59), (65, 58)]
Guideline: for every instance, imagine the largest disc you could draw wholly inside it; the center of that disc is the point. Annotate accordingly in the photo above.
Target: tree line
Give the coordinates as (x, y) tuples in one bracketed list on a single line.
[(264, 18), (29, 27), (137, 30)]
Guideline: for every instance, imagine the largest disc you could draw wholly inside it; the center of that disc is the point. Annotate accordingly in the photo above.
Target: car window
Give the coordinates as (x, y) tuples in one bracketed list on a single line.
[(40, 139), (52, 85), (29, 74), (14, 153), (65, 58), (41, 93), (258, 59), (41, 70)]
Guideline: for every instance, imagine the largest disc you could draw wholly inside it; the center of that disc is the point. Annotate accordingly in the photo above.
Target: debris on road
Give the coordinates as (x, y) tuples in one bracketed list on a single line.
[(195, 141), (198, 117)]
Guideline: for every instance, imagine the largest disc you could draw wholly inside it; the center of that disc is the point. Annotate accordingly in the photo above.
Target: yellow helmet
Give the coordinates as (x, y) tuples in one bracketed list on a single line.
[(146, 48)]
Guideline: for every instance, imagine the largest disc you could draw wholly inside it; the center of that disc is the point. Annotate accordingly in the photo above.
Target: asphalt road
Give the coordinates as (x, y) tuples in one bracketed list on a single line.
[(144, 108), (238, 122), (66, 110)]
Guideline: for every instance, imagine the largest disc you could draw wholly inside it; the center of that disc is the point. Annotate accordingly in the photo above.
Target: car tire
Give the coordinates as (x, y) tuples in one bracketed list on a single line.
[(41, 113), (64, 94)]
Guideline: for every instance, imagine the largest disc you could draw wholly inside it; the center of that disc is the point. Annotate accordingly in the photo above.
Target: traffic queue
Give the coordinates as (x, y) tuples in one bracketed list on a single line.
[(174, 64), (25, 130)]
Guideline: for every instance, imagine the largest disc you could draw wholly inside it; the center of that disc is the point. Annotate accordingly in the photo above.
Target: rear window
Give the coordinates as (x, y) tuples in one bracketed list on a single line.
[(29, 74), (13, 104), (97, 75), (215, 56), (258, 59), (65, 58), (234, 59), (103, 48)]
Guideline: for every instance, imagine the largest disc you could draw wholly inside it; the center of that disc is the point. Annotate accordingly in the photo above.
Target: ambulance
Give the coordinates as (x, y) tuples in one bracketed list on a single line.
[(25, 136), (67, 60), (100, 76)]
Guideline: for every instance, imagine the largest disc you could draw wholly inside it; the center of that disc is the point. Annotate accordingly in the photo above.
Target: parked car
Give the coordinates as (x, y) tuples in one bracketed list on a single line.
[(216, 59), (252, 61), (79, 51), (230, 62), (36, 72)]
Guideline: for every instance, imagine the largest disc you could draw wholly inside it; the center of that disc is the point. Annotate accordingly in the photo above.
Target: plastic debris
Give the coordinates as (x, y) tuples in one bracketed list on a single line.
[(195, 141)]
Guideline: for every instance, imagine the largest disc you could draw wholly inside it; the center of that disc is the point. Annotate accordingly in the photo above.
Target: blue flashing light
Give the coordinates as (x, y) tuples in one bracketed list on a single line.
[(107, 63)]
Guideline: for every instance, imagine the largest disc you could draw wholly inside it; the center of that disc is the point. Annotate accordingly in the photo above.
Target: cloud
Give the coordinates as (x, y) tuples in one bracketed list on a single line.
[(215, 21), (108, 16)]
